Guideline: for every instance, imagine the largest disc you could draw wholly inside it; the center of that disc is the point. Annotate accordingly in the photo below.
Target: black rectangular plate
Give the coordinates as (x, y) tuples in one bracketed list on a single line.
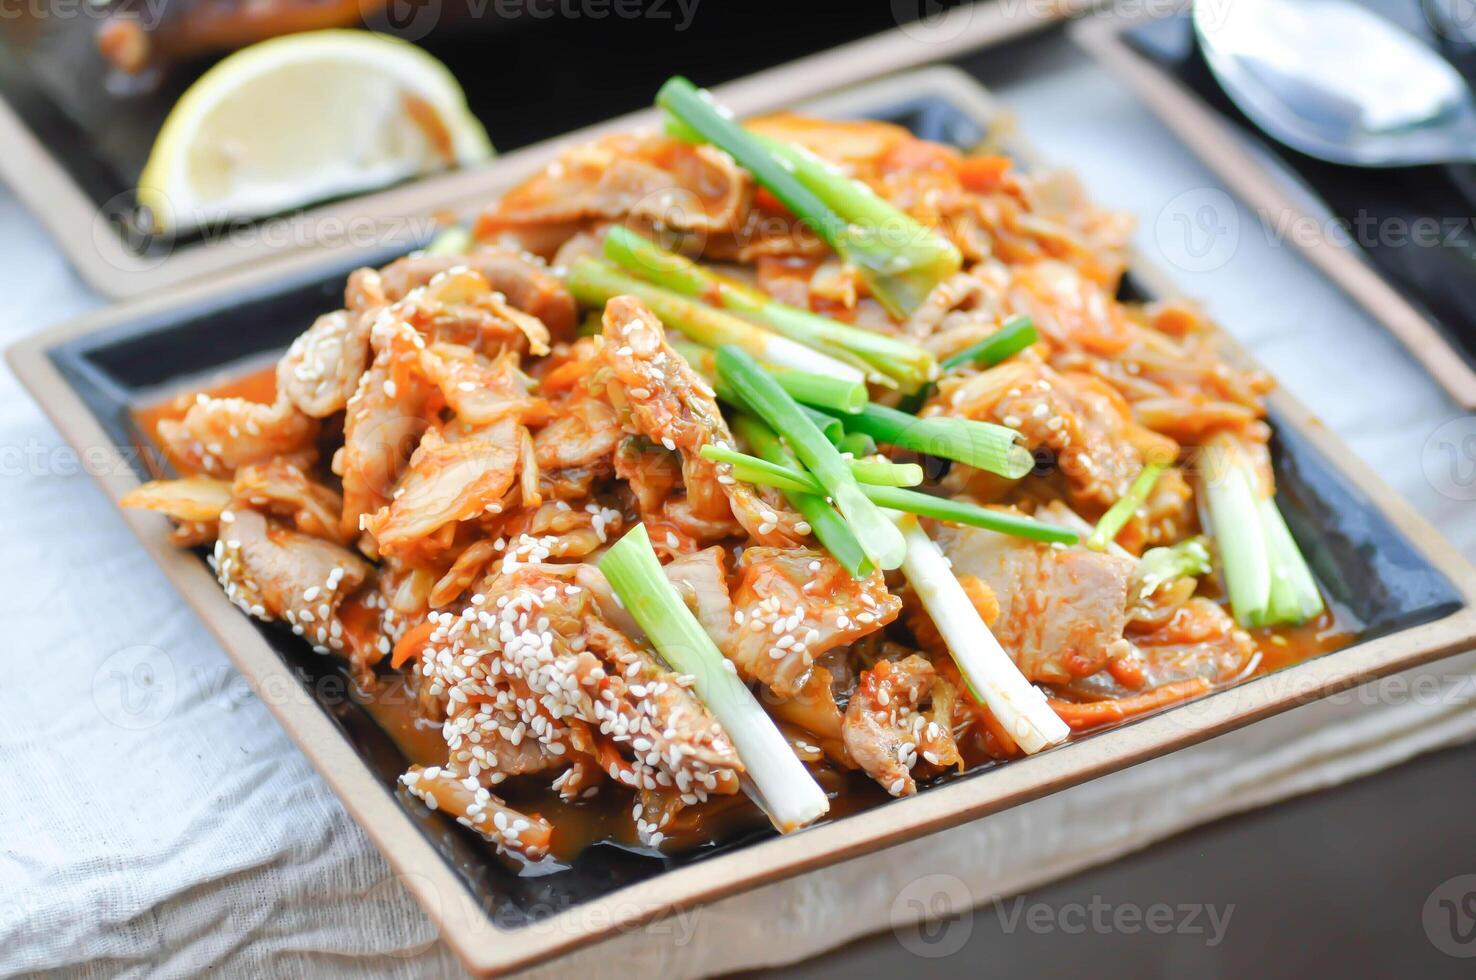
[(1385, 209), (1365, 564)]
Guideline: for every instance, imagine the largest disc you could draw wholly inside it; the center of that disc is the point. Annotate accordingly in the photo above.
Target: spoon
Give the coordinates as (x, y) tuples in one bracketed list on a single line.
[(1336, 81)]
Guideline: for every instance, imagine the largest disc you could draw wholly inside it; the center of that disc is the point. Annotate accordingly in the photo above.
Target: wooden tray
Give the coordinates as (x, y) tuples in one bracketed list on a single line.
[(1414, 594), (80, 192), (1447, 351)]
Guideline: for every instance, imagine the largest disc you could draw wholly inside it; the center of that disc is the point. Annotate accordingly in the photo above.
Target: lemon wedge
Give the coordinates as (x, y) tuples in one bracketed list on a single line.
[(302, 118)]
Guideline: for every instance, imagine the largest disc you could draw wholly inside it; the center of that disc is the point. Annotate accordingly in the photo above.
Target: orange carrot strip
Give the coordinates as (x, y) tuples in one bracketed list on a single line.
[(412, 644), (983, 174), (1090, 714), (563, 377), (1128, 671)]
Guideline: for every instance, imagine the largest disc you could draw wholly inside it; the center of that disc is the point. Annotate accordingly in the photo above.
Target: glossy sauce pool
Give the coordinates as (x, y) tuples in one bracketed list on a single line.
[(607, 817)]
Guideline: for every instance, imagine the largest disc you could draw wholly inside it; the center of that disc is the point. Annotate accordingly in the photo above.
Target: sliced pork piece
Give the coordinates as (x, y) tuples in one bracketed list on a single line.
[(1070, 310), (584, 432), (455, 474), (1080, 420), (282, 488), (476, 808), (460, 306), (320, 371), (1062, 611), (383, 422), (480, 391), (1200, 639), (217, 436), (645, 176), (884, 721), (794, 604), (279, 574), (1181, 654), (526, 284), (702, 582), (669, 403), (533, 658), (556, 530)]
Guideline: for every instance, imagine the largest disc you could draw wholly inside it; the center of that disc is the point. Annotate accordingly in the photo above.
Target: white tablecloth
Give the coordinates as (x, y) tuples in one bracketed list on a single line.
[(169, 835)]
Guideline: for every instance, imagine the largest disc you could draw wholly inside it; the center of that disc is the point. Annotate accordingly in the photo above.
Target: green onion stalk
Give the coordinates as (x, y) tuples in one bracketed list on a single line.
[(887, 360), (868, 472), (777, 779), (858, 444), (818, 390), (983, 445), (901, 260), (1122, 511), (992, 677), (828, 526), (1265, 573), (893, 496), (595, 282), (763, 396), (1013, 336)]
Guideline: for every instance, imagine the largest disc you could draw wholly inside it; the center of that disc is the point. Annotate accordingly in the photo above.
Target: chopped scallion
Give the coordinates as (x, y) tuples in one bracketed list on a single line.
[(992, 677), (784, 788), (983, 445), (595, 282), (762, 395), (1123, 510)]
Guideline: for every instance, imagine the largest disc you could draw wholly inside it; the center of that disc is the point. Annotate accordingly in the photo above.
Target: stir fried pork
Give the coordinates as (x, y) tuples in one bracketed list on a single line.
[(275, 573), (647, 177), (217, 435), (533, 659), (669, 403), (321, 369), (526, 287), (793, 605), (887, 732), (1062, 611), (445, 460)]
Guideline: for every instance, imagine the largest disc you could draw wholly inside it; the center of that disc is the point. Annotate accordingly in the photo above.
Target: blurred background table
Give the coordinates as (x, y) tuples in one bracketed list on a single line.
[(205, 840)]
